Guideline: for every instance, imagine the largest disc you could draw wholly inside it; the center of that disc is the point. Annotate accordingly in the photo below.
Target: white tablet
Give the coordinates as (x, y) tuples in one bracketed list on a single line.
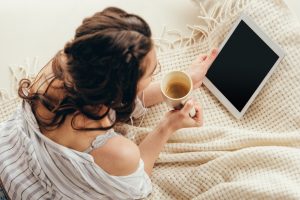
[(246, 60)]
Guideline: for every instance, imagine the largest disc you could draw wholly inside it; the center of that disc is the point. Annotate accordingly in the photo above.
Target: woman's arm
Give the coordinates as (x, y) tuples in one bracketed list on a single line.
[(152, 145), (154, 142), (152, 95)]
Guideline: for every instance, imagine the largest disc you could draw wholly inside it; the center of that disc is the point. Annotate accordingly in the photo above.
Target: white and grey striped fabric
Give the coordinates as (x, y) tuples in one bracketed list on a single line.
[(3, 195), (34, 167)]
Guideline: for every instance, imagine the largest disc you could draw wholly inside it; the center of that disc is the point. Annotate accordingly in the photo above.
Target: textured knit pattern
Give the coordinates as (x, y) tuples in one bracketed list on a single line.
[(257, 157)]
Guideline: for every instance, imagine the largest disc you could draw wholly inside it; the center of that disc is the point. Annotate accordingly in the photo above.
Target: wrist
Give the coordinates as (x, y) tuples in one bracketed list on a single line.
[(193, 78), (165, 128)]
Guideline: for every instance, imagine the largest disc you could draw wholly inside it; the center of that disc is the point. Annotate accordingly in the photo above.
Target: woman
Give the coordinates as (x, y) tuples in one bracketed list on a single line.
[(60, 143)]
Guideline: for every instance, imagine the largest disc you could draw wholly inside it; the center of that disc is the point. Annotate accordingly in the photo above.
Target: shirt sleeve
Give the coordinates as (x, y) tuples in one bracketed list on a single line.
[(139, 181), (134, 186)]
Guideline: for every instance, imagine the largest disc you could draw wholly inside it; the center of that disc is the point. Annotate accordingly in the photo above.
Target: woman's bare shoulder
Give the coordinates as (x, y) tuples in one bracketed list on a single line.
[(119, 156)]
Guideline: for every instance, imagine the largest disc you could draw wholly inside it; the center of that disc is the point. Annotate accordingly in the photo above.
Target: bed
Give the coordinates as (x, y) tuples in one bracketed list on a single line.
[(257, 157)]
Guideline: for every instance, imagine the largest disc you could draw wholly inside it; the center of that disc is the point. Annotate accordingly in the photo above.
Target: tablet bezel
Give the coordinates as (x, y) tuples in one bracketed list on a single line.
[(235, 112)]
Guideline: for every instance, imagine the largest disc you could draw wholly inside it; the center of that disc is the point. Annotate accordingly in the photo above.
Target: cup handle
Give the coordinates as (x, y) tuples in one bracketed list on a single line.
[(192, 112)]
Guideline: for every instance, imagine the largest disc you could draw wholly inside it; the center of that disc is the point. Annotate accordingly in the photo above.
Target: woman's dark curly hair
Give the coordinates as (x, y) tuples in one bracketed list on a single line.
[(104, 65)]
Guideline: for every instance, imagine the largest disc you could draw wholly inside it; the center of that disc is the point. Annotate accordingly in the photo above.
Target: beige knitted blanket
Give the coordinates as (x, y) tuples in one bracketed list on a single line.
[(257, 157)]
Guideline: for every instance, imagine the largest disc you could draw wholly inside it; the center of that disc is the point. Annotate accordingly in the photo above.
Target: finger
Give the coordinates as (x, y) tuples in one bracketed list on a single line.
[(198, 112), (199, 116), (214, 51), (202, 58), (212, 56), (198, 109), (199, 123), (172, 111), (187, 106)]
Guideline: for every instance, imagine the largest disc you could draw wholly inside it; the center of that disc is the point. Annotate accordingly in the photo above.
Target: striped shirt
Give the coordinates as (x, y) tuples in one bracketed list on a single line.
[(34, 167)]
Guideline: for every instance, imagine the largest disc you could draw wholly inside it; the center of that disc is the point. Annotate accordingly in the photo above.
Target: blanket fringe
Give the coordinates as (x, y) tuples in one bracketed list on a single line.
[(200, 33), (17, 73)]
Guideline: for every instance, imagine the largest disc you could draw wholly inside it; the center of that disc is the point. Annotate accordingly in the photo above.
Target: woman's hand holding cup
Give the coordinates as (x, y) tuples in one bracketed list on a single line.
[(177, 88), (177, 119)]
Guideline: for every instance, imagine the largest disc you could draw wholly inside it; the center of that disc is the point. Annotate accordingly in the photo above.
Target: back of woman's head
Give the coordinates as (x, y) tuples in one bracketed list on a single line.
[(104, 65)]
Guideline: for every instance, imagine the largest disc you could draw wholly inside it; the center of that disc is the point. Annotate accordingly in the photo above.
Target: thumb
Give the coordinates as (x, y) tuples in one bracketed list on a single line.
[(210, 59), (213, 53), (187, 106)]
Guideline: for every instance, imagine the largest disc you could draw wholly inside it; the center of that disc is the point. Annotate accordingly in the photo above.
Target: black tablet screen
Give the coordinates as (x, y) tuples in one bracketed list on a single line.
[(241, 65)]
